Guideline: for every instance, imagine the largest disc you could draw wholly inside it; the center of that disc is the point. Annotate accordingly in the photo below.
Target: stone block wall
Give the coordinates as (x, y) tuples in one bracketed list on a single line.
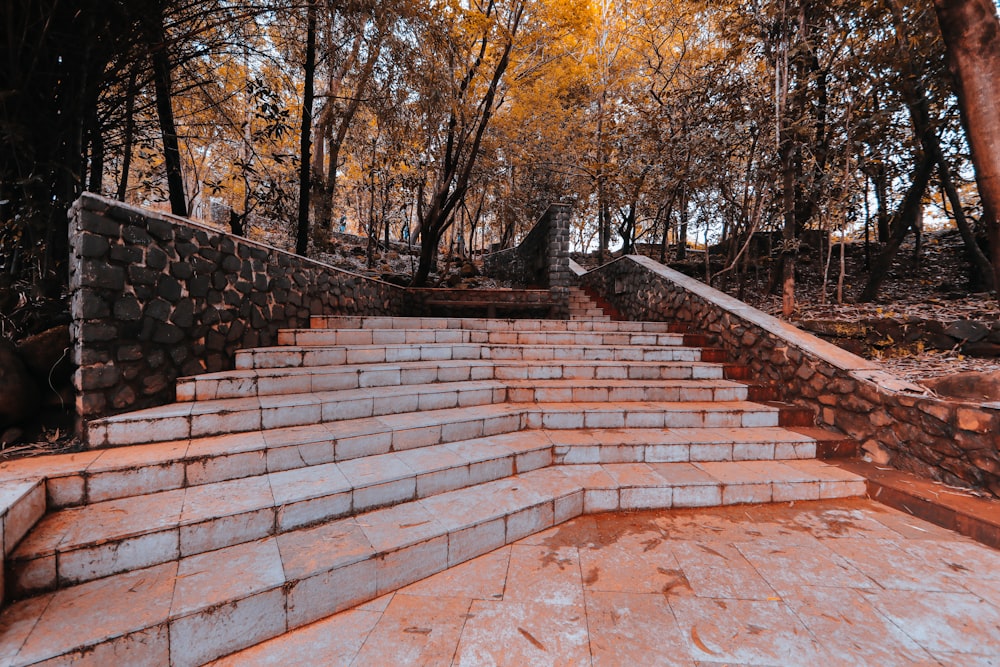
[(897, 422), (541, 259), (155, 297)]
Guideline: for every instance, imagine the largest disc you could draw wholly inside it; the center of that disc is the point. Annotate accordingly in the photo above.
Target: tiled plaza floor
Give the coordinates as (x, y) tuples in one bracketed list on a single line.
[(822, 583)]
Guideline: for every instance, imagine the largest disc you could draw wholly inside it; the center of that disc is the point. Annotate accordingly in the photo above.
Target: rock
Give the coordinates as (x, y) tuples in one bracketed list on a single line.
[(469, 270), (11, 436), (981, 349), (18, 392), (876, 453), (973, 386), (47, 353), (967, 330)]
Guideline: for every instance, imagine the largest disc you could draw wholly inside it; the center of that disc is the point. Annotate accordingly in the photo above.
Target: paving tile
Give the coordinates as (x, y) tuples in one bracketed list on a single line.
[(633, 629), (958, 556), (543, 574), (201, 583), (333, 642), (127, 517), (113, 607), (938, 621), (309, 551), (512, 633), (719, 570), (400, 526), (17, 622), (218, 515), (748, 632), (801, 564), (633, 563), (849, 627), (892, 567), (481, 578), (415, 631)]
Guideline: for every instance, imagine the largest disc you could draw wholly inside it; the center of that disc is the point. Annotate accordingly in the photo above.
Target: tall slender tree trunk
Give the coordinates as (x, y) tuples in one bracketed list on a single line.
[(982, 271), (305, 145), (129, 136), (900, 225), (971, 32), (165, 113)]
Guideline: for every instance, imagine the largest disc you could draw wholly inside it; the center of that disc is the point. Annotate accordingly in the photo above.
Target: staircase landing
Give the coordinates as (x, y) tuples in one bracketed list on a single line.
[(846, 582)]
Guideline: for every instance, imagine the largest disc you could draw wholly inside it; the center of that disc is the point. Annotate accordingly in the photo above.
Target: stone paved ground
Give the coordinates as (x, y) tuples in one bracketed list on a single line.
[(820, 583)]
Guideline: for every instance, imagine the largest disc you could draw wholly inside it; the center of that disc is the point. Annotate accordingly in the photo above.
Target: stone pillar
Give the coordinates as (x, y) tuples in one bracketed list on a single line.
[(560, 277)]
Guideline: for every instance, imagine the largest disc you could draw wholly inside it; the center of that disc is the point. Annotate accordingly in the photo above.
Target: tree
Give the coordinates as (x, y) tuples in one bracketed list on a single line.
[(302, 235), (480, 63), (971, 34)]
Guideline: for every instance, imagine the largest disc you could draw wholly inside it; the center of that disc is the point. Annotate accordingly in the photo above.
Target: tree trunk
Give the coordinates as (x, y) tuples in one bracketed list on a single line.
[(305, 144), (982, 271), (165, 113), (788, 231), (96, 177), (971, 33), (900, 224), (129, 136), (682, 235)]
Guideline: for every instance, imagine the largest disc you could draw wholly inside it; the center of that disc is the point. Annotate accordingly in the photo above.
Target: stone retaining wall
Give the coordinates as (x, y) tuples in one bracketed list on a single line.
[(155, 297), (897, 422), (541, 260)]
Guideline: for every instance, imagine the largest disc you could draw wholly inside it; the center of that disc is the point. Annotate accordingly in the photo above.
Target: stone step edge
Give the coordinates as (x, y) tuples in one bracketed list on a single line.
[(334, 337), (386, 322), (549, 448), (22, 506), (35, 571), (248, 382), (179, 421), (116, 472), (331, 355), (207, 629), (381, 389)]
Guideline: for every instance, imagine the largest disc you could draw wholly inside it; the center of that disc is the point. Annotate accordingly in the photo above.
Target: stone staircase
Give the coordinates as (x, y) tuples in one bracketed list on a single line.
[(583, 307), (364, 454)]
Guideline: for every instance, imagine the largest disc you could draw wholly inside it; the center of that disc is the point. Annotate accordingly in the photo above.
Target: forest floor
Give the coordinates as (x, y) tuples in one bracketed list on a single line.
[(930, 285)]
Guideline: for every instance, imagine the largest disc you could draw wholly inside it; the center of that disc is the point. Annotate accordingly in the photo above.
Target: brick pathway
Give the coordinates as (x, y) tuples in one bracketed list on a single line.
[(847, 582)]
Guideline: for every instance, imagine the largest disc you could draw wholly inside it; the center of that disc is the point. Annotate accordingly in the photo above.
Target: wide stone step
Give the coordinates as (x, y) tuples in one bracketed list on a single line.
[(297, 356), (363, 322), (334, 337), (274, 381), (79, 544), (186, 420), (192, 610), (108, 474)]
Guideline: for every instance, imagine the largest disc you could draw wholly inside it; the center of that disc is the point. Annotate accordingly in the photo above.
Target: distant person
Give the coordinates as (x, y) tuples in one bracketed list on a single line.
[(343, 224)]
